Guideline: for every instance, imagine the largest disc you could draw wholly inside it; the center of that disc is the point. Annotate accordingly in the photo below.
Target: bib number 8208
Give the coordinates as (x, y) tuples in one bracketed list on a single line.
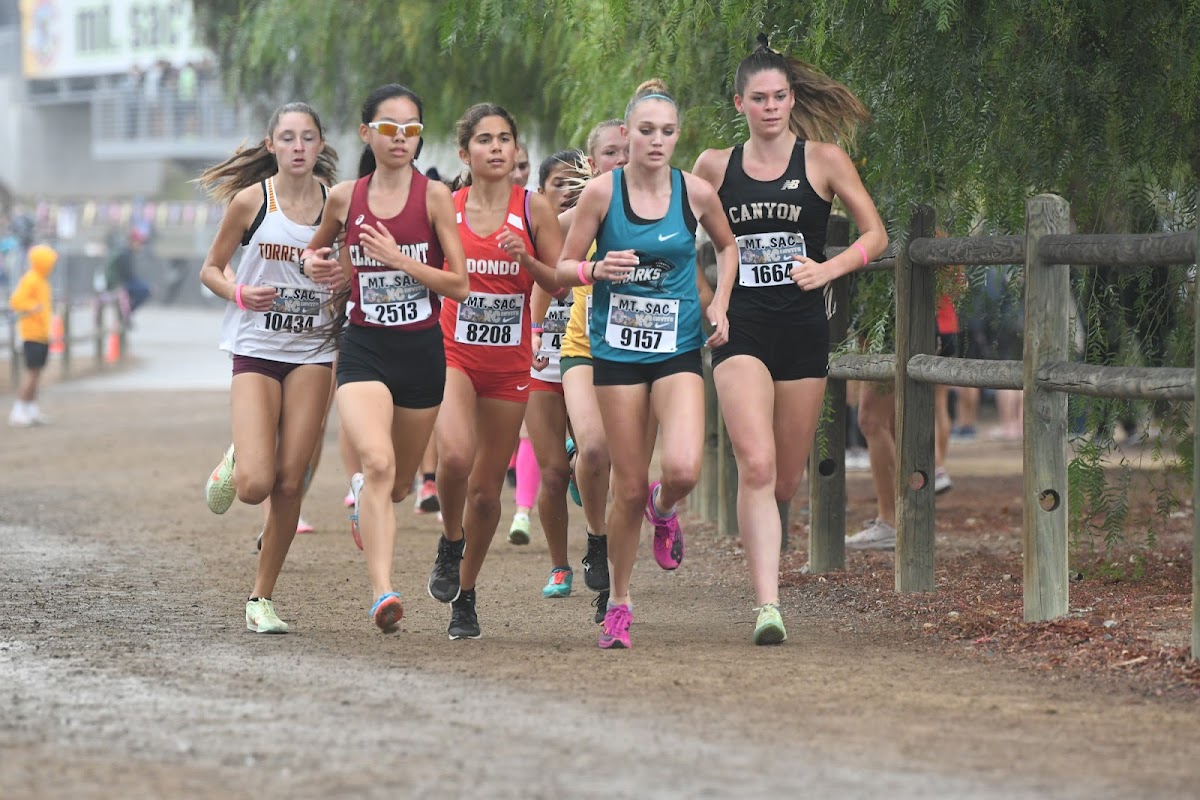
[(489, 334), (640, 340)]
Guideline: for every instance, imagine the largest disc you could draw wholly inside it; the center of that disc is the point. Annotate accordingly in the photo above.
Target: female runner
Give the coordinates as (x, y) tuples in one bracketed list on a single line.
[(646, 335), (401, 252), (276, 194), (510, 236), (776, 189)]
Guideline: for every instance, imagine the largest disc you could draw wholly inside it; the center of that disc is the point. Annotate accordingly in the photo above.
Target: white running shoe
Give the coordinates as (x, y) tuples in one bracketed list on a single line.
[(19, 419), (941, 481), (356, 484), (261, 617), (877, 535)]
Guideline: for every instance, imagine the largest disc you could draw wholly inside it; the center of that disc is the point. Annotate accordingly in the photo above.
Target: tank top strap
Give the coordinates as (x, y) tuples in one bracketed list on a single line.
[(272, 200)]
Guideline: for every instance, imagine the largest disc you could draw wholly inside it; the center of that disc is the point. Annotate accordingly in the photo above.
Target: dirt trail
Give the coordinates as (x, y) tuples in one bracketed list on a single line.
[(125, 668)]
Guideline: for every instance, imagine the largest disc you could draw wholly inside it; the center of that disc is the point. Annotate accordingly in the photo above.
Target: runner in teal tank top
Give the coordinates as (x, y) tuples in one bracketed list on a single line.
[(645, 334), (655, 314)]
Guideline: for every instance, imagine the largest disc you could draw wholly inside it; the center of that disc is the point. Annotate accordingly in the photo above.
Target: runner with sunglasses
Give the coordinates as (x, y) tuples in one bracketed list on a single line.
[(401, 255), (777, 189), (646, 334), (276, 193), (510, 236)]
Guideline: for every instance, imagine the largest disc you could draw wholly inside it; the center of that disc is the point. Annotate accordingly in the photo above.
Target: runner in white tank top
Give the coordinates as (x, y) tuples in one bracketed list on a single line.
[(271, 257), (281, 385)]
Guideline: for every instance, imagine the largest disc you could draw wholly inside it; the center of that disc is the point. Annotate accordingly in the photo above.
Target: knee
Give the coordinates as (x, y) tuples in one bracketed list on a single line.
[(379, 466), (554, 481), (402, 491), (756, 470), (592, 459), (253, 489), (785, 489), (681, 474), (453, 467), (484, 500), (288, 486), (872, 421), (628, 497)]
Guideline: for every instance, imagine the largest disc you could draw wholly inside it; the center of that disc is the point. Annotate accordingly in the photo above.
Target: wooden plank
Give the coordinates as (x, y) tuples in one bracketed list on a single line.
[(968, 250), (1150, 383), (1119, 249), (967, 372), (916, 307), (854, 367), (827, 471), (1047, 293)]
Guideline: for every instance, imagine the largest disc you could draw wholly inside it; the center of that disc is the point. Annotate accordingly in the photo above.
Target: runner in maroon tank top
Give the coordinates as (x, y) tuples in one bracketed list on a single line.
[(401, 253)]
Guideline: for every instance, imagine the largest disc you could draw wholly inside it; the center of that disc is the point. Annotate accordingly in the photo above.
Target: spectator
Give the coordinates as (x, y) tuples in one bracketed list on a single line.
[(120, 274), (31, 303)]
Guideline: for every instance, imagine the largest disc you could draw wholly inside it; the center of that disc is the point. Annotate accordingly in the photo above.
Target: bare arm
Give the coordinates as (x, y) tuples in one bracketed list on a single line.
[(316, 257), (548, 233), (451, 281), (841, 178), (589, 212), (216, 274), (707, 208)]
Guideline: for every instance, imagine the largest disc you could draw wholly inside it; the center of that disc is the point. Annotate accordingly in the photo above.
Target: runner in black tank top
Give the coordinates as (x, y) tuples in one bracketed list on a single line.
[(776, 191), (773, 220), (391, 368)]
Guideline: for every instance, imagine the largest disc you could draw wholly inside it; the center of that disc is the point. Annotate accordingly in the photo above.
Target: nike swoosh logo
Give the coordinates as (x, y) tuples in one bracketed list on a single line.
[(662, 238), (522, 387)]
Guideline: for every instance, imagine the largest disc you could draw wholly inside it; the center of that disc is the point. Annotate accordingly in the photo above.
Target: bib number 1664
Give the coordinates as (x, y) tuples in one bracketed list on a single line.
[(771, 273)]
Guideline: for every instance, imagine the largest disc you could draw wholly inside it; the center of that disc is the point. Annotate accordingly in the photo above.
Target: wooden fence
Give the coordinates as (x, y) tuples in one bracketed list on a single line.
[(107, 332), (1047, 251)]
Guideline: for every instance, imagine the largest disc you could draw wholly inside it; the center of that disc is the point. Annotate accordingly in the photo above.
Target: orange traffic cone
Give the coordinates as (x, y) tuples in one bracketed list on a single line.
[(56, 334), (112, 350)]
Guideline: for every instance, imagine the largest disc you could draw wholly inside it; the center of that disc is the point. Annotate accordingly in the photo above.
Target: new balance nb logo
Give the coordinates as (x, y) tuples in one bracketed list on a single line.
[(790, 185)]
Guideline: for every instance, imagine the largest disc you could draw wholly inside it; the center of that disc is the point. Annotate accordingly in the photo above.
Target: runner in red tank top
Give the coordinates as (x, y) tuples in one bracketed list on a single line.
[(511, 240), (402, 252)]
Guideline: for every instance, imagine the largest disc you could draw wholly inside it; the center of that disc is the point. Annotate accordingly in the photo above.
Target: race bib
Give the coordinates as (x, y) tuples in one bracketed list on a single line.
[(296, 309), (554, 328), (765, 259), (587, 319), (643, 324), (392, 297), (493, 320)]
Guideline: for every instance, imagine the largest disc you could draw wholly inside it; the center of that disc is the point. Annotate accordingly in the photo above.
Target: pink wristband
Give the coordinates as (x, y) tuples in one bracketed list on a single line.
[(583, 278), (237, 295), (862, 250)]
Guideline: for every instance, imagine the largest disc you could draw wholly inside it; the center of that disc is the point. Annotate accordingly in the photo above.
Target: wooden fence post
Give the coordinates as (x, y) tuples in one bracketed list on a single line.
[(915, 331), (1047, 294), (1196, 463), (707, 490), (727, 483), (827, 471)]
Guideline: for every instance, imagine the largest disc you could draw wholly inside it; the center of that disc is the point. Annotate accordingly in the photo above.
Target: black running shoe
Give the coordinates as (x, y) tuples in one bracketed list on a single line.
[(464, 622), (601, 605), (443, 580), (595, 563)]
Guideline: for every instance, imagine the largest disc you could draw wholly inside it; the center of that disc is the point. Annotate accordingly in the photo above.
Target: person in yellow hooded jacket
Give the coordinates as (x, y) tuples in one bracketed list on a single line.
[(31, 304)]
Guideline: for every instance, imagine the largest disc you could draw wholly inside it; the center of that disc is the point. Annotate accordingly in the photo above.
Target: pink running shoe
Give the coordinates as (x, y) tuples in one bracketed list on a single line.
[(304, 526), (615, 635), (668, 535)]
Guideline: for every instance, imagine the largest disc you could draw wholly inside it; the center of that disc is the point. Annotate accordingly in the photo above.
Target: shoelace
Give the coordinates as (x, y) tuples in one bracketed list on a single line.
[(559, 576), (617, 619)]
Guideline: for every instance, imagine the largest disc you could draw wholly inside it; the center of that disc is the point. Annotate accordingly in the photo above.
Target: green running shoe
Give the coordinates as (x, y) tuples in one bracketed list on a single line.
[(220, 491), (559, 584), (261, 617), (769, 628), (518, 532)]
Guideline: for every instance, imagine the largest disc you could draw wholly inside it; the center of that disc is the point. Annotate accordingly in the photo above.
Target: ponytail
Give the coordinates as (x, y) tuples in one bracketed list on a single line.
[(825, 110)]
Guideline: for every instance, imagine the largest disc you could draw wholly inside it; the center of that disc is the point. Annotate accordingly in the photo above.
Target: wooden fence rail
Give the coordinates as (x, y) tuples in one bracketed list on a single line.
[(1046, 251), (108, 317)]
